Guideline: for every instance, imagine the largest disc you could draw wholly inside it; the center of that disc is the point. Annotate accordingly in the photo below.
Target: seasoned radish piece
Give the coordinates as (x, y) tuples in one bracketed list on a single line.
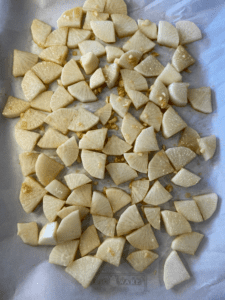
[(139, 42), (153, 216), (112, 53), (70, 228), (28, 232), (47, 236), (94, 163), (94, 5), (121, 172), (178, 93), (129, 221), (141, 259), (31, 119), (68, 151), (104, 113), (47, 71), (172, 123), (137, 161), (111, 74), (97, 79), (207, 204), (207, 146), (42, 101), (89, 62), (82, 92), (91, 46), (51, 206), (152, 116), (159, 166), (188, 32), (117, 198), (185, 178), (120, 104), (116, 7), (130, 128), (64, 254), (139, 189), (130, 59), (175, 223), (83, 120), (189, 210), (124, 25), (143, 238), (100, 205), (167, 35), (146, 141), (71, 18), (169, 75), (58, 189), (148, 28), (52, 139), (133, 80), (47, 169), (57, 37), (93, 139), (187, 242), (55, 54), (76, 36), (27, 162), (116, 146), (180, 156), (138, 99), (81, 271), (40, 31), (182, 59), (157, 195), (104, 30), (149, 67), (23, 62), (27, 140), (159, 94), (81, 196), (32, 86), (14, 107), (111, 250), (89, 240), (65, 211), (76, 180), (189, 139), (94, 16), (71, 73), (174, 271), (105, 225), (200, 99)]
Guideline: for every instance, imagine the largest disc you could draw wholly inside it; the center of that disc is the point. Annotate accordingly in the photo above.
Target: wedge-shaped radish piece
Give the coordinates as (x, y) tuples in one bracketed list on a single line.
[(42, 101), (178, 93), (100, 205), (130, 59), (207, 204), (104, 113), (152, 116), (130, 128), (111, 74), (57, 37), (82, 92), (117, 198), (104, 30), (112, 53), (169, 75), (124, 25), (189, 210), (159, 94), (52, 139), (200, 99), (139, 189), (139, 42), (105, 225), (121, 172), (47, 169), (47, 71), (138, 99), (40, 31), (120, 104), (129, 221), (174, 271), (185, 178), (70, 228), (116, 7), (31, 119), (27, 162), (137, 161), (94, 5), (150, 67), (94, 16), (157, 195), (23, 62), (26, 139), (167, 35), (97, 79), (28, 232), (93, 139), (180, 156), (83, 120), (89, 240), (111, 250), (94, 163), (47, 236), (89, 62), (55, 54), (153, 216), (207, 146), (189, 139), (91, 46), (71, 18), (141, 259), (51, 206), (182, 59), (76, 180), (148, 28), (188, 32), (58, 189), (81, 196), (187, 242), (65, 211), (64, 254), (116, 146), (71, 73), (172, 123), (159, 166), (76, 36), (133, 80), (146, 141), (143, 238), (14, 107), (68, 151), (32, 86), (175, 223)]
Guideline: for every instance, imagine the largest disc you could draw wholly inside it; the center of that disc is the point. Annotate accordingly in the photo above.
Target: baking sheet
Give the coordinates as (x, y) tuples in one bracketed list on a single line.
[(24, 271)]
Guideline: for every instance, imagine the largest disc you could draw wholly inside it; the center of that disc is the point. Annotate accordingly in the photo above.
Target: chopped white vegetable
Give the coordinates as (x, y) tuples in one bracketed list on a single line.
[(169, 75), (47, 71), (139, 189), (94, 5), (70, 228), (207, 146), (94, 16), (159, 94), (65, 211), (105, 225), (68, 151), (116, 7), (189, 139), (150, 67), (130, 128), (32, 86), (117, 198), (133, 80), (116, 146), (146, 141), (94, 163), (76, 180), (51, 206), (182, 59), (31, 119), (64, 254), (27, 162), (159, 166), (55, 54), (167, 35), (188, 32), (200, 99), (187, 242), (91, 46), (152, 116), (71, 73), (71, 18), (28, 232), (42, 101), (104, 113), (130, 59), (178, 93), (180, 156), (189, 210), (104, 30), (89, 62), (58, 189), (138, 99), (81, 196), (76, 36), (52, 139), (148, 28), (14, 107), (23, 62), (100, 205), (47, 236), (137, 161), (153, 216), (157, 195), (120, 104), (112, 53), (139, 42), (89, 240), (111, 73), (121, 172), (27, 140), (172, 123), (97, 79), (93, 139), (141, 259), (207, 204), (124, 25), (57, 37), (83, 120), (175, 223), (185, 178), (40, 31)]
